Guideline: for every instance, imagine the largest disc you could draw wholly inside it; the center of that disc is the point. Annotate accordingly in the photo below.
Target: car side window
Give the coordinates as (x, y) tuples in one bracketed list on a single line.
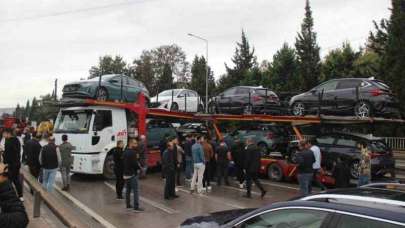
[(359, 222), (326, 140), (242, 91), (229, 92), (286, 218), (327, 86), (182, 94), (191, 94), (348, 84), (347, 142), (102, 119)]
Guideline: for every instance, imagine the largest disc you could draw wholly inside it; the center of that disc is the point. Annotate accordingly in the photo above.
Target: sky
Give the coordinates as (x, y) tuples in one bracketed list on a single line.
[(43, 40)]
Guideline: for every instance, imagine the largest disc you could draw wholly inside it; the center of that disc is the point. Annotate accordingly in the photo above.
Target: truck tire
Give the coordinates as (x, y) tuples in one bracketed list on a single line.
[(275, 172), (108, 170)]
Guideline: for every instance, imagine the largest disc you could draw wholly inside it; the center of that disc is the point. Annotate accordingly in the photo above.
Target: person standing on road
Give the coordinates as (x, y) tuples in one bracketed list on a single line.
[(50, 160), (143, 148), (252, 167), (222, 156), (199, 167), (169, 171), (66, 155), (12, 158), (238, 156), (118, 156), (364, 166), (179, 160), (12, 211), (188, 156), (208, 156), (341, 173), (32, 149), (316, 166), (131, 174), (305, 159)]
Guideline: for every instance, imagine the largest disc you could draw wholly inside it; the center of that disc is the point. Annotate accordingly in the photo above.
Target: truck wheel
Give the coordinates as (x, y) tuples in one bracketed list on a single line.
[(275, 173), (108, 170)]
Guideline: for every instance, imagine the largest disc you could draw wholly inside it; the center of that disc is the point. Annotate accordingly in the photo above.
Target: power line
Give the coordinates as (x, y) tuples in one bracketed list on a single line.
[(67, 12)]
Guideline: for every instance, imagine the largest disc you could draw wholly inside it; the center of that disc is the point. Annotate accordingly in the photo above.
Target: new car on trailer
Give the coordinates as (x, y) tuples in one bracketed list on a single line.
[(178, 100), (245, 100), (111, 87), (361, 97)]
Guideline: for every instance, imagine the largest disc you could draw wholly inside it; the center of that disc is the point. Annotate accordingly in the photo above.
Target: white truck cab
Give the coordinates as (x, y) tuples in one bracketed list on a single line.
[(94, 131)]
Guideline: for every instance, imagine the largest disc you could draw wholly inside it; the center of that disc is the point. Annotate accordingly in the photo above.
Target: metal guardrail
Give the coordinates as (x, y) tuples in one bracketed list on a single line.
[(40, 195), (396, 143)]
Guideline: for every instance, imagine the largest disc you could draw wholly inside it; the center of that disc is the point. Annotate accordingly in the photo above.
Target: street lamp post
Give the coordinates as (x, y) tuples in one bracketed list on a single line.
[(206, 68)]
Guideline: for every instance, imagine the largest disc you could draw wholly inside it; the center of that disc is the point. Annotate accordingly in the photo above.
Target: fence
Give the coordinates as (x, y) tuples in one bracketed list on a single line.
[(57, 208)]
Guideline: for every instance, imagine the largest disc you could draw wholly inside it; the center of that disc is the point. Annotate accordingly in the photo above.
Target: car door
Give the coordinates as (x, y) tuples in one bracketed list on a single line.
[(180, 100), (114, 88), (240, 99), (224, 100), (286, 218), (328, 96), (323, 91), (346, 94), (192, 101), (132, 88)]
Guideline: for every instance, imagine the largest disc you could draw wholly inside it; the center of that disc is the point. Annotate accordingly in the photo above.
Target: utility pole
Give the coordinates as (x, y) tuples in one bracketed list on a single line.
[(56, 89), (206, 68)]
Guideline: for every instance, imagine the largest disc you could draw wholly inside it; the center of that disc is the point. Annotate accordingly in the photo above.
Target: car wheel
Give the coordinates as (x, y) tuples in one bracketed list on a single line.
[(354, 169), (263, 149), (108, 170), (212, 108), (298, 109), (362, 109), (275, 173), (248, 109), (200, 108), (174, 107), (102, 94)]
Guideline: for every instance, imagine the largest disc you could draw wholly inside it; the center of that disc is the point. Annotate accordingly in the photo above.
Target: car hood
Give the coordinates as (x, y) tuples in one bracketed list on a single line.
[(294, 98), (215, 219)]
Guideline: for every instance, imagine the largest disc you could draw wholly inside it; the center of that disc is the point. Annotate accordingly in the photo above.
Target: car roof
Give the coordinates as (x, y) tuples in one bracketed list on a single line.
[(358, 135), (379, 213)]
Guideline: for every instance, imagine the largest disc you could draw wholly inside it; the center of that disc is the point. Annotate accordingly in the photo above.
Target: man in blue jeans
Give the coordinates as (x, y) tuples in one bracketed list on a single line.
[(131, 173), (50, 160), (305, 158)]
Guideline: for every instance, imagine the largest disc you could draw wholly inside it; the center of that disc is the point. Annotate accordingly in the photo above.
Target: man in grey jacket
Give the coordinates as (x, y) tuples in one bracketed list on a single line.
[(66, 161)]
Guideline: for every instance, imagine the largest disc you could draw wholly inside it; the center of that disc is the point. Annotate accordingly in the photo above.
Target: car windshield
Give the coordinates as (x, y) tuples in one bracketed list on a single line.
[(73, 121), (381, 84), (378, 146), (167, 93)]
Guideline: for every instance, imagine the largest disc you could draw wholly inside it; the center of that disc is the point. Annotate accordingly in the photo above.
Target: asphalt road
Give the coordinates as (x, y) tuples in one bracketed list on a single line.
[(95, 197)]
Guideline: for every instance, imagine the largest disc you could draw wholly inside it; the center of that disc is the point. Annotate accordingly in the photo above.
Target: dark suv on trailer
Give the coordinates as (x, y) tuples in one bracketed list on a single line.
[(344, 145), (341, 96), (245, 100)]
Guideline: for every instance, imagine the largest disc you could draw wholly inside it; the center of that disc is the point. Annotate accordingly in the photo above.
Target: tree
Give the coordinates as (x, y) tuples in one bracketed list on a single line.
[(283, 71), (244, 60), (368, 64), (165, 81), (393, 58), (198, 77), (34, 109), (109, 65), (339, 63), (308, 51), (144, 71), (27, 110)]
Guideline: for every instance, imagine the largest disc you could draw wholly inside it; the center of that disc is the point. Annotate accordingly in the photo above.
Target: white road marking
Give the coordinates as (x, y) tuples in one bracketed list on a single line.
[(211, 198), (150, 202), (86, 209)]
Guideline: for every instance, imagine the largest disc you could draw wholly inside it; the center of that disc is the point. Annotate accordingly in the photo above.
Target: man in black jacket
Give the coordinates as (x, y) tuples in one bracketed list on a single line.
[(131, 173), (252, 167), (32, 149), (13, 213), (305, 158), (238, 156), (12, 157), (118, 155), (169, 171)]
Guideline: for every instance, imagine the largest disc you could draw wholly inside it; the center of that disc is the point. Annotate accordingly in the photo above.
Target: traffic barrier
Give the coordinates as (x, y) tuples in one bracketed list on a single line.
[(40, 195)]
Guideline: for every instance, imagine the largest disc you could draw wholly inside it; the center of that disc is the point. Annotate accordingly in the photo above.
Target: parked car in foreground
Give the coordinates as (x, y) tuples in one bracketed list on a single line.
[(112, 87), (367, 208), (178, 100), (344, 145), (269, 137), (245, 100), (340, 96)]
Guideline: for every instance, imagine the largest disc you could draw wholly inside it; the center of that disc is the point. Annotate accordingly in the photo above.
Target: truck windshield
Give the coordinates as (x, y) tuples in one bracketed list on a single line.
[(73, 121)]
